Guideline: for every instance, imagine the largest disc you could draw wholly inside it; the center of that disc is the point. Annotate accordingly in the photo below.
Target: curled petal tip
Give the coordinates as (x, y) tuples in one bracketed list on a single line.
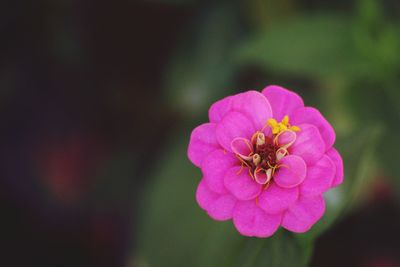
[(242, 147), (262, 176)]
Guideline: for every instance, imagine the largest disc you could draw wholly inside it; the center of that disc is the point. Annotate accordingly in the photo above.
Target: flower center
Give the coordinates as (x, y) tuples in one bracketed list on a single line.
[(267, 153), (261, 155)]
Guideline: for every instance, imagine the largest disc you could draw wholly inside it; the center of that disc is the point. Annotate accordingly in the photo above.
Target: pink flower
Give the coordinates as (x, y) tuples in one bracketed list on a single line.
[(266, 162)]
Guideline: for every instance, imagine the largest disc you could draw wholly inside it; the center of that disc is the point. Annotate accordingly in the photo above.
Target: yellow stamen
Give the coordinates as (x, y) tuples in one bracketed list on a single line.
[(294, 128), (274, 125), (282, 127), (285, 120), (278, 127), (272, 122)]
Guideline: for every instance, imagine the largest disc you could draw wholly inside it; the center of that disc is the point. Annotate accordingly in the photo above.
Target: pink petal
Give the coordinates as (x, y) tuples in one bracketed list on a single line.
[(303, 214), (233, 125), (222, 208), (292, 171), (282, 101), (309, 144), (286, 138), (203, 140), (240, 184), (242, 147), (218, 110), (204, 195), (276, 199), (253, 104), (214, 167), (219, 207), (251, 220), (334, 155), (319, 177), (312, 116), (268, 132), (262, 176)]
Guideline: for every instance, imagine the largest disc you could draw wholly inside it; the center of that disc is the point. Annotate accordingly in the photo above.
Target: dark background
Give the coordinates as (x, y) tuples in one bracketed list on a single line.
[(97, 101)]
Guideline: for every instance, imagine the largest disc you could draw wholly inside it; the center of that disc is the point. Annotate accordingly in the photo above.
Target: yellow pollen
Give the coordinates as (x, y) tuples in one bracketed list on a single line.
[(278, 127), (285, 120), (295, 128)]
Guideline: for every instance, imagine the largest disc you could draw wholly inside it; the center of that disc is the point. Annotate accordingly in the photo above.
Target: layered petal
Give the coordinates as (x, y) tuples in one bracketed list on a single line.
[(240, 184), (264, 181), (218, 110), (276, 199), (286, 139), (251, 220), (219, 207), (282, 101), (214, 167), (291, 173), (334, 155), (251, 103), (319, 177), (233, 125), (255, 105), (303, 214), (203, 140), (309, 144), (312, 116)]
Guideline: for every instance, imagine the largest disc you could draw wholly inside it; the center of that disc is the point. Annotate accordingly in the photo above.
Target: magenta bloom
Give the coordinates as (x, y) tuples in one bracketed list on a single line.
[(266, 161)]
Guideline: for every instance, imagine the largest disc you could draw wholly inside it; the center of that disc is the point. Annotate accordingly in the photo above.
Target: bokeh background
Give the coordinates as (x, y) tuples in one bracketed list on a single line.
[(98, 99)]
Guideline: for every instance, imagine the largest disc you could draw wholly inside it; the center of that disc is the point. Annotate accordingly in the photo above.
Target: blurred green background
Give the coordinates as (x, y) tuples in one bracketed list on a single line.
[(98, 99)]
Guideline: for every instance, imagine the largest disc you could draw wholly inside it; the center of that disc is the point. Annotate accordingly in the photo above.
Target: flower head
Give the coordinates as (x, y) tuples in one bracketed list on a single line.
[(266, 161)]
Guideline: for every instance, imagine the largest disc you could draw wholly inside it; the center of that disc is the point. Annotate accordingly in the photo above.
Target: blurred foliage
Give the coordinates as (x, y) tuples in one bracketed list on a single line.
[(201, 68), (352, 58), (287, 45)]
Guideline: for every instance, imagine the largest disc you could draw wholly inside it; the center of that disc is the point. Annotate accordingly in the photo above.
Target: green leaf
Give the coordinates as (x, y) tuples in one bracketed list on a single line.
[(282, 249), (311, 45)]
